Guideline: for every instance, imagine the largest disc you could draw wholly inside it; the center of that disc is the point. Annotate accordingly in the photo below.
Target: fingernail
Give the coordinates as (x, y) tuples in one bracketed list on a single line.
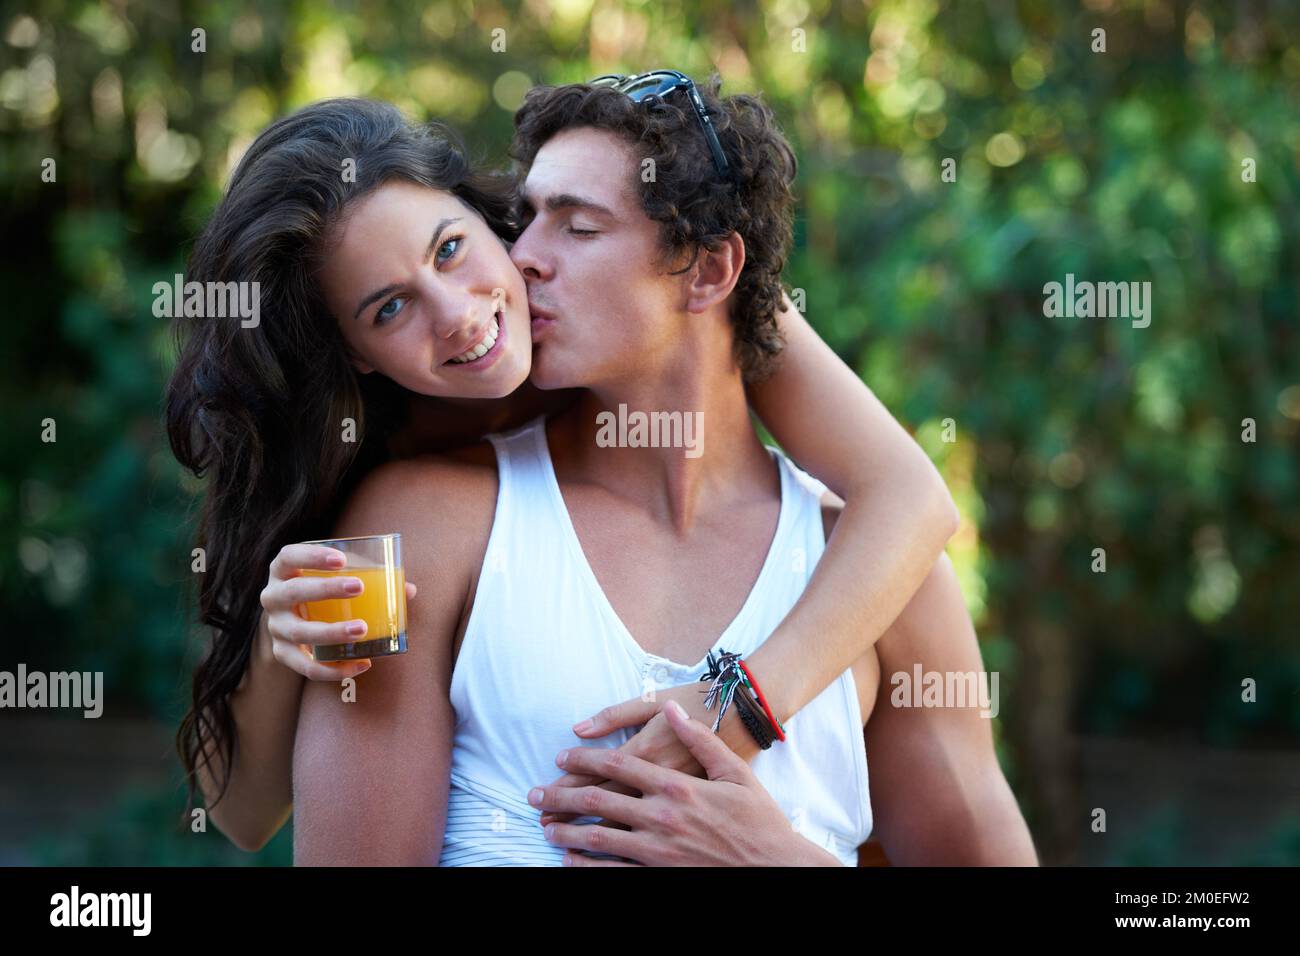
[(353, 586), (561, 758), (535, 796), (583, 727), (357, 628), (550, 832), (335, 561), (677, 709), (363, 668), (568, 860)]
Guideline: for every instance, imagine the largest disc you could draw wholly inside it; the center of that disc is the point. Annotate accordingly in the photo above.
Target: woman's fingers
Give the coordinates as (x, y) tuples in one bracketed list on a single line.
[(287, 590), (315, 670), (289, 594), (294, 630), (299, 660), (279, 595), (293, 557)]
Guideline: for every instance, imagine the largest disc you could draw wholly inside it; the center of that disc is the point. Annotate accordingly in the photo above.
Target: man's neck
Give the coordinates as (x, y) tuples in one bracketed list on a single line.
[(675, 443)]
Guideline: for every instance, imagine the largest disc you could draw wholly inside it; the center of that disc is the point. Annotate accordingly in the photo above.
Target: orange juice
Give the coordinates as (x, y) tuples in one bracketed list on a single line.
[(381, 604)]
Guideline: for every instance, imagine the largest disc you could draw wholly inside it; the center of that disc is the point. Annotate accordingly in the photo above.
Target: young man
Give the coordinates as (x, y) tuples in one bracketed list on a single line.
[(604, 567)]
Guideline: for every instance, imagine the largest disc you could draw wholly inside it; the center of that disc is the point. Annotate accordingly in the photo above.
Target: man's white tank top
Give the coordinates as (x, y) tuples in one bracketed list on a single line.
[(543, 649)]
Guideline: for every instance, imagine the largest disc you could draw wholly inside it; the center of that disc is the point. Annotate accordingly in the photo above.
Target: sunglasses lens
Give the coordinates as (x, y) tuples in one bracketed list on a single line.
[(651, 86)]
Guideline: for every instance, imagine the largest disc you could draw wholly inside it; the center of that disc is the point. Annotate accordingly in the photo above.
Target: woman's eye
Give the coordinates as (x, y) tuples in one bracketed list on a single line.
[(582, 232), (455, 239), (386, 312)]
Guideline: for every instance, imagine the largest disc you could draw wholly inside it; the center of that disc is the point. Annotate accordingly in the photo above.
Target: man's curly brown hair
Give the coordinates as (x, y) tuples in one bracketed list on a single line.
[(695, 207)]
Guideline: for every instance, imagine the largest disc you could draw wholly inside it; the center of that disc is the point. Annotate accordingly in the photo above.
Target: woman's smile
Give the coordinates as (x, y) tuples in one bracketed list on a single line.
[(487, 350)]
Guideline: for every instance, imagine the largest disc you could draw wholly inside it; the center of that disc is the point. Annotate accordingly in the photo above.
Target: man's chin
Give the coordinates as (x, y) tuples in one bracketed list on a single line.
[(551, 384), (549, 375)]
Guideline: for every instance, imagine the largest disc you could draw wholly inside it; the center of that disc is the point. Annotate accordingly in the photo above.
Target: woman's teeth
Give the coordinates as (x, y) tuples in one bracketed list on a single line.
[(482, 348)]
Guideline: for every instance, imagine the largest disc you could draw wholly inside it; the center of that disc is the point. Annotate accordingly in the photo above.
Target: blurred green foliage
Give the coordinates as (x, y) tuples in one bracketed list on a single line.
[(134, 832), (1071, 434)]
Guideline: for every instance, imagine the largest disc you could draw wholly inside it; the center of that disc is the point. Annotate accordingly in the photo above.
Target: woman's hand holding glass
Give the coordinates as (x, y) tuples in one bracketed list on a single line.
[(290, 635)]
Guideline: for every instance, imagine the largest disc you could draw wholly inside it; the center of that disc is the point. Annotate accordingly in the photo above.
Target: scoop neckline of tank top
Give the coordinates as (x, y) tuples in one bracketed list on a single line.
[(629, 641)]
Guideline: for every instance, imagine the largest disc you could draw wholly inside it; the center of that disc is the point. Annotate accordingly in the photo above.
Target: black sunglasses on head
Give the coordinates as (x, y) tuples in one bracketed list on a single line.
[(658, 84)]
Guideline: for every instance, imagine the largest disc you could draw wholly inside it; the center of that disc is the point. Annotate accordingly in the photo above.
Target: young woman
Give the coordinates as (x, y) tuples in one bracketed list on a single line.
[(261, 413)]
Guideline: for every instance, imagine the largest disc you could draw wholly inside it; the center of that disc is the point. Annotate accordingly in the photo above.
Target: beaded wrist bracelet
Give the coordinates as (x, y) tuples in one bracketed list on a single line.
[(730, 677)]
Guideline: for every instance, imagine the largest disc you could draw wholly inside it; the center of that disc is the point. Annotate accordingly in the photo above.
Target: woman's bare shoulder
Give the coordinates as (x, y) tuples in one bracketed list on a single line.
[(463, 475), (442, 498)]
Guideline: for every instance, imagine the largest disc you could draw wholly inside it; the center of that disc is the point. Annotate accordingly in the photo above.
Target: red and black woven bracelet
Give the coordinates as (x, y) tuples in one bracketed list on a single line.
[(771, 717), (753, 719), (730, 677)]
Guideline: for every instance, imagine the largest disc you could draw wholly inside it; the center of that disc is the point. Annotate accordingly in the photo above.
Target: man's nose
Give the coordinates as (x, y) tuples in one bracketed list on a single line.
[(527, 257)]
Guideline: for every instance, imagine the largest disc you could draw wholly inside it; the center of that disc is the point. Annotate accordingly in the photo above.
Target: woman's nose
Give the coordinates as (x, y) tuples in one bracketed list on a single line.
[(455, 314)]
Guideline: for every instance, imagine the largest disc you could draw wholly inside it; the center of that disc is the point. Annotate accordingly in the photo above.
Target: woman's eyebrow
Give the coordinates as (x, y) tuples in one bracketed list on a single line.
[(392, 287), (374, 297)]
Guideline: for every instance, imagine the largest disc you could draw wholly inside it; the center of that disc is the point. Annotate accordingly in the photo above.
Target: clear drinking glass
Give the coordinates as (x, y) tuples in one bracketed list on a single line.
[(377, 561)]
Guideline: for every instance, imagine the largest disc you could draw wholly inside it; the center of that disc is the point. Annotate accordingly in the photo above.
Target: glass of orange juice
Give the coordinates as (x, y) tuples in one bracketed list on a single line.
[(376, 560)]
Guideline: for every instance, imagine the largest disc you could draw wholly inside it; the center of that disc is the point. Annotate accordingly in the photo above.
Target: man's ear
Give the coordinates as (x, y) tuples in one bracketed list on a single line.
[(715, 274)]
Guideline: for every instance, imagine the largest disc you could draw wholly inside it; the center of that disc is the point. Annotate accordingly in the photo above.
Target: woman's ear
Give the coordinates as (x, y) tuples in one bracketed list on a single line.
[(356, 362)]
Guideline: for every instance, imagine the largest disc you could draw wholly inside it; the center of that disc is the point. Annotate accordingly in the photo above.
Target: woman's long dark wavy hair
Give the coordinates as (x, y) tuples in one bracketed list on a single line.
[(259, 411)]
